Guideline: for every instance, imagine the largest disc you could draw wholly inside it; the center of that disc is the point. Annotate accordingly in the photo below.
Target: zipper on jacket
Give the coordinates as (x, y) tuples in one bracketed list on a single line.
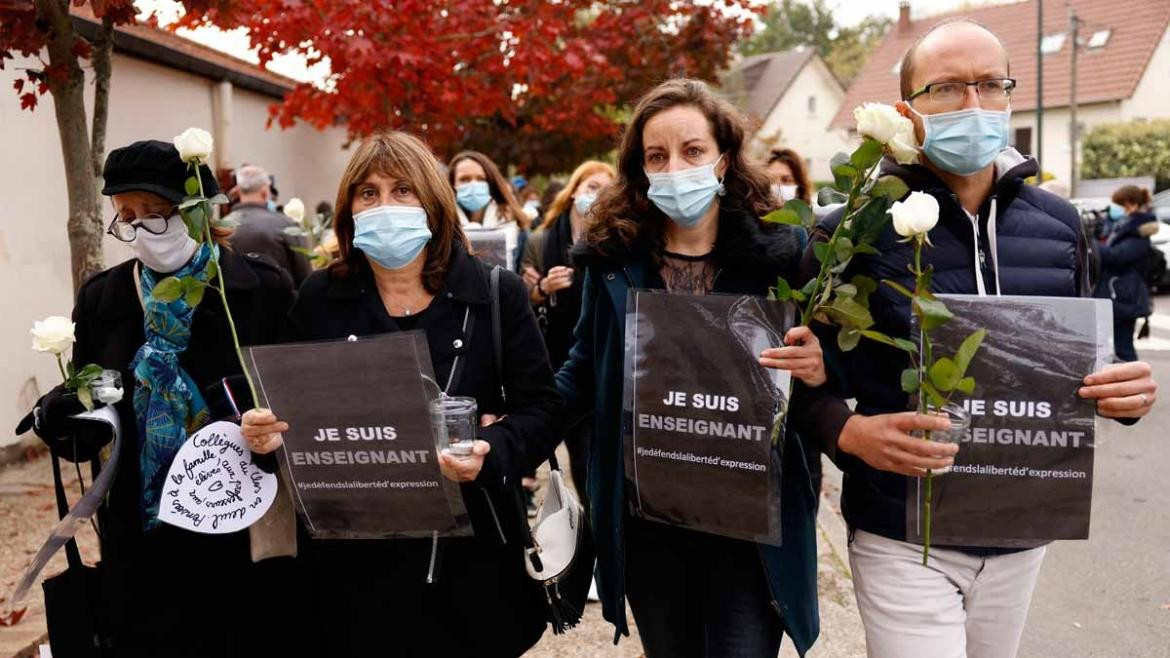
[(495, 517)]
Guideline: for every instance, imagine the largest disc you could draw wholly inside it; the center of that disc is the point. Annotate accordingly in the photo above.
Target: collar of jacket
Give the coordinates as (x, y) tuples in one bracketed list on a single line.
[(1011, 168), (465, 281)]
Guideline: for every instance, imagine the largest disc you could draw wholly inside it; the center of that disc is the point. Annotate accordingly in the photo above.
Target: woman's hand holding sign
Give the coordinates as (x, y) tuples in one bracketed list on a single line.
[(262, 430), (1122, 390), (465, 468), (802, 356)]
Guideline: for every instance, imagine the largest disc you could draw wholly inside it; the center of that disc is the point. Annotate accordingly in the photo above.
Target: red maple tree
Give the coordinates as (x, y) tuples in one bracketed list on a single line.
[(534, 83)]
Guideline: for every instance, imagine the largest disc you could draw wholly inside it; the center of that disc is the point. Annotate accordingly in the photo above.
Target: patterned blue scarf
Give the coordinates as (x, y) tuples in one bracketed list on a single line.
[(167, 402)]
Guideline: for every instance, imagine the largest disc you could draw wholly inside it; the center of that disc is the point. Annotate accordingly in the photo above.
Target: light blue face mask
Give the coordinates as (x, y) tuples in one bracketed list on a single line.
[(271, 205), (584, 202), (392, 236), (684, 196), (473, 196), (1116, 212), (965, 141)]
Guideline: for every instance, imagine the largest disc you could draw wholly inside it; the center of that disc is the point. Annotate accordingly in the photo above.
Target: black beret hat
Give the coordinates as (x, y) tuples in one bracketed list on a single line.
[(152, 166)]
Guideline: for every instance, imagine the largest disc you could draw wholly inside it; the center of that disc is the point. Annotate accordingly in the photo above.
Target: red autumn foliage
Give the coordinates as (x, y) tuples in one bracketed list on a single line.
[(534, 83)]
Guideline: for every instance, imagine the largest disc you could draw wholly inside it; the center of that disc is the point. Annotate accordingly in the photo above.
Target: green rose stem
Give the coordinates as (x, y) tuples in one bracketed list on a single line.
[(221, 288), (807, 313), (61, 367), (926, 358)]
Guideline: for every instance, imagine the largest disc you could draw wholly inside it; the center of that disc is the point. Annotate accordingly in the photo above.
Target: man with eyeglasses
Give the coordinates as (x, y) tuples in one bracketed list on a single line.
[(995, 235)]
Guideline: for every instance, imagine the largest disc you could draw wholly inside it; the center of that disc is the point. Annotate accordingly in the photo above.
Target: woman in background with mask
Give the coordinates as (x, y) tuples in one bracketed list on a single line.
[(404, 265), (1123, 254), (172, 359), (555, 291), (683, 216), (486, 201), (789, 176)]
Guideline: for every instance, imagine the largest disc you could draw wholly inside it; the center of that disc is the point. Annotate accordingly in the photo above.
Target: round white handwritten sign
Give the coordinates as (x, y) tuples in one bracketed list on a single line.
[(213, 487)]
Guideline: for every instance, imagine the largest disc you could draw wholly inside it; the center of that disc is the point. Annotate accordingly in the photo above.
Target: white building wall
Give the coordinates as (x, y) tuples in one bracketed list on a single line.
[(1056, 158), (1151, 98), (807, 132), (147, 101)]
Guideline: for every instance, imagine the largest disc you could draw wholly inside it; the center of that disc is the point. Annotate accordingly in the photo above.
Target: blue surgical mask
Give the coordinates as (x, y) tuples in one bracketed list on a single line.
[(392, 236), (965, 141), (271, 205), (584, 202), (473, 196), (1116, 212), (684, 196)]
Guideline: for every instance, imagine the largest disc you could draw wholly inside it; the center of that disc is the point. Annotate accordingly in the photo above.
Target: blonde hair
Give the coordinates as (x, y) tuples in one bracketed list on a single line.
[(403, 157), (563, 198)]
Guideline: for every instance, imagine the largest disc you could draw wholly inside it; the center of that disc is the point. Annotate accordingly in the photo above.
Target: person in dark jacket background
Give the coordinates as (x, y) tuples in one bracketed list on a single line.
[(1123, 254), (260, 229), (151, 574), (995, 235), (405, 265), (692, 593)]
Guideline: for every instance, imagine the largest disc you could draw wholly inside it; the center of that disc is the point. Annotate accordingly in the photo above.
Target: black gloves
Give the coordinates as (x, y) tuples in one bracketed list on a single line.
[(71, 439)]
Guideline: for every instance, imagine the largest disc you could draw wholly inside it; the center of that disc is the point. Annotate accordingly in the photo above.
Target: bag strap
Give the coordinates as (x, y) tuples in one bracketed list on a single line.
[(71, 553)]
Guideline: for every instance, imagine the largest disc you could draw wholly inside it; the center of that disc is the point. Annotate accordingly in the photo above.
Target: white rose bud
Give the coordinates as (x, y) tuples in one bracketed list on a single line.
[(194, 144), (878, 121), (904, 145), (914, 217), (54, 334), (295, 208)]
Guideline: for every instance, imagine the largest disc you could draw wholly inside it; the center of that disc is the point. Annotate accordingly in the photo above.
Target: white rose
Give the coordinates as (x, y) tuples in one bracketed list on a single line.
[(915, 216), (878, 121), (53, 334), (904, 145), (295, 208), (194, 144)]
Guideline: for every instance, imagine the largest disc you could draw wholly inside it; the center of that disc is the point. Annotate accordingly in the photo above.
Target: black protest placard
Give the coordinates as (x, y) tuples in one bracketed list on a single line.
[(490, 245), (360, 452), (1024, 471), (700, 410)]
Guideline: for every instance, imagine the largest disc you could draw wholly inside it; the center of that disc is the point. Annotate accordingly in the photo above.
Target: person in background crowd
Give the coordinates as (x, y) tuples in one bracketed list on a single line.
[(551, 190), (486, 201), (555, 292), (172, 359), (789, 176), (405, 265), (529, 198), (272, 202), (994, 235), (684, 216), (261, 230), (1123, 255)]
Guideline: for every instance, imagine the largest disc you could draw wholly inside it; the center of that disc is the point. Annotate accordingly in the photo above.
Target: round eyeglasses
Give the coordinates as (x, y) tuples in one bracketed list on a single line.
[(153, 223)]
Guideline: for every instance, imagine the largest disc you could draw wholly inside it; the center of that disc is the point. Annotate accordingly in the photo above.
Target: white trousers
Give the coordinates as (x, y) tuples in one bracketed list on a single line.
[(959, 606)]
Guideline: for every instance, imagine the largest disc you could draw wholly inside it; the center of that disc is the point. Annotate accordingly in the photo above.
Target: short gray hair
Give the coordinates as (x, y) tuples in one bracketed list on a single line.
[(251, 178)]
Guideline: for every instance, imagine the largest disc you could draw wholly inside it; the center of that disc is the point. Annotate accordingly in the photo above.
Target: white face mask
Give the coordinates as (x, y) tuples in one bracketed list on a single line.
[(166, 252), (785, 193)]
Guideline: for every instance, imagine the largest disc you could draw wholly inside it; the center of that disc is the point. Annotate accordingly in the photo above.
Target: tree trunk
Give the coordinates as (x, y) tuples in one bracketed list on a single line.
[(67, 85)]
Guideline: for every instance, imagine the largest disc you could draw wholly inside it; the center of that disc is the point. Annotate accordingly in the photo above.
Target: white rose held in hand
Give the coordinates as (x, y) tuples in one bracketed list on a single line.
[(880, 122), (914, 217), (194, 144), (54, 334), (295, 208), (904, 145)]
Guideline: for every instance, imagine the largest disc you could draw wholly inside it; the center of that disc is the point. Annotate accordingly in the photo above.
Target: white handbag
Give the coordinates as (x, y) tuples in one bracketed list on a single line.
[(556, 532)]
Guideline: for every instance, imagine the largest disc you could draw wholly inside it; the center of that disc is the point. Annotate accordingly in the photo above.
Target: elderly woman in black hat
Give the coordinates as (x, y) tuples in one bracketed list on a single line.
[(165, 591)]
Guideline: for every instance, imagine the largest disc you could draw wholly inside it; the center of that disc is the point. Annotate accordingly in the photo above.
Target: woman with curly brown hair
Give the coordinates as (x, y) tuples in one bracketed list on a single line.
[(684, 216)]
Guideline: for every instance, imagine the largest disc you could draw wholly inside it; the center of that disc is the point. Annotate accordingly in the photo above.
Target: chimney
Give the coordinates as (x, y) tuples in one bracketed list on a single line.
[(904, 16)]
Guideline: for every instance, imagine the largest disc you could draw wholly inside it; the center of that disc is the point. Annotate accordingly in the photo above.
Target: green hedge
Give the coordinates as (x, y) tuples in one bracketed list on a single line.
[(1134, 148)]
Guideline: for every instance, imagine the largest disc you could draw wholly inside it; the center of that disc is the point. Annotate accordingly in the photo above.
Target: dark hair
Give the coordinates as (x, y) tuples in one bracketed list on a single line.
[(403, 157), (906, 69), (623, 216), (794, 162), (498, 186), (1133, 195)]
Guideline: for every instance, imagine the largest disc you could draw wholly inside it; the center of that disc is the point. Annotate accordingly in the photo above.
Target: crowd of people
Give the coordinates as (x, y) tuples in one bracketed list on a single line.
[(679, 211)]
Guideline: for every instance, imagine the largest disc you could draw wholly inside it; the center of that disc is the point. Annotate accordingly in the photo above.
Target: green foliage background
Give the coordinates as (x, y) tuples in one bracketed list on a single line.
[(1133, 148)]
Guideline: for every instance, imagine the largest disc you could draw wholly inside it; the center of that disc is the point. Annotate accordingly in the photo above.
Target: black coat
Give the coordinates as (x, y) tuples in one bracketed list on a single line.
[(157, 584), (261, 230), (373, 594), (1122, 256)]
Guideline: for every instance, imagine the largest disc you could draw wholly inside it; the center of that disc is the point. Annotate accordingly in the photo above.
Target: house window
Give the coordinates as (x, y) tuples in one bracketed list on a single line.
[(1023, 140), (1052, 43), (812, 104), (1099, 38)]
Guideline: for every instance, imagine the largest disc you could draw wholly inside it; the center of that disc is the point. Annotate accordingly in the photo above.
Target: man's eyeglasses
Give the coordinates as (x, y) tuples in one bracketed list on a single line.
[(994, 91), (153, 223)]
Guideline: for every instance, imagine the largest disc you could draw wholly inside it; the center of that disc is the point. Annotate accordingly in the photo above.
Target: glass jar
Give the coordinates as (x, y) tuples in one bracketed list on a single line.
[(960, 422), (454, 420)]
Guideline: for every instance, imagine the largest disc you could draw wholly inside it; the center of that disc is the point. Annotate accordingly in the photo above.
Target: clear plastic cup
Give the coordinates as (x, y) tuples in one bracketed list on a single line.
[(960, 422), (455, 423), (107, 387)]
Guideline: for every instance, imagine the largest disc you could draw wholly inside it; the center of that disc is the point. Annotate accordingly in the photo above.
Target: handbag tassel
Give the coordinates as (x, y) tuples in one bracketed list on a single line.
[(565, 615)]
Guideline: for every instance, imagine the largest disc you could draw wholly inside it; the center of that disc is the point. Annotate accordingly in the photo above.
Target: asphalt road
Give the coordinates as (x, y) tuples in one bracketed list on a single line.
[(1110, 596)]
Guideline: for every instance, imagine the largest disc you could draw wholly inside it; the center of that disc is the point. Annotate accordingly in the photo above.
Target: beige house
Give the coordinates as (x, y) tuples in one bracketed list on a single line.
[(1123, 68), (791, 97), (161, 84)]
